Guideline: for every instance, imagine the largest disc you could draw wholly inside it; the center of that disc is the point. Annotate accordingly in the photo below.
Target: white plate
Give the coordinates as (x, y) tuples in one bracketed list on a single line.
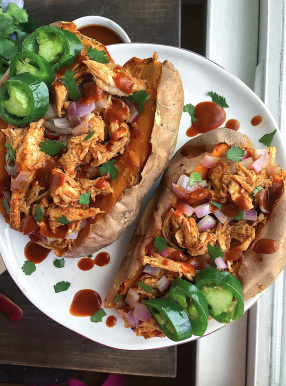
[(199, 76)]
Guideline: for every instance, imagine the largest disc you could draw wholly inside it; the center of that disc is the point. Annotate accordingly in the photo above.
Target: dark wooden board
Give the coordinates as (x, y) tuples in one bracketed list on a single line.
[(37, 340), (144, 21)]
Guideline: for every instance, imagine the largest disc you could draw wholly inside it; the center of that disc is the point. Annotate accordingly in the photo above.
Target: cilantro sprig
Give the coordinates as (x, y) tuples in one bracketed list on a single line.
[(109, 167), (191, 110), (84, 198), (10, 155), (217, 204), (145, 287), (89, 135), (160, 243), (6, 206), (139, 98), (61, 286), (218, 99), (240, 215), (268, 138), (63, 220), (97, 55), (256, 190), (117, 298), (59, 263), (39, 214), (52, 147), (98, 316), (28, 268), (70, 83), (215, 252), (235, 153), (195, 177)]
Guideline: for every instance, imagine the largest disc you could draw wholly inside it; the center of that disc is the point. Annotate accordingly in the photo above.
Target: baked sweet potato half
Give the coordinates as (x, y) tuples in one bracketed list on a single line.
[(215, 225), (74, 179)]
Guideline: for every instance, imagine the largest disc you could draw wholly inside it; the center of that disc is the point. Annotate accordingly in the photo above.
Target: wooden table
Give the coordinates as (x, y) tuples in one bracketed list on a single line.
[(37, 340)]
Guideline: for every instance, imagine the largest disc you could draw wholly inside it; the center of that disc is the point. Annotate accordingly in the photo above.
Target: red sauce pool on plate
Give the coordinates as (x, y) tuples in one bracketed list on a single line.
[(35, 252), (111, 321), (101, 33), (209, 116), (101, 259), (255, 121), (85, 303), (232, 124), (267, 246)]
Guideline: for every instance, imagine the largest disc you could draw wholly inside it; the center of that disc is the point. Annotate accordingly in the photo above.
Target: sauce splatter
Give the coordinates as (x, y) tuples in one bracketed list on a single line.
[(101, 259), (111, 321), (35, 252), (255, 121), (101, 33), (266, 246), (232, 124), (85, 303)]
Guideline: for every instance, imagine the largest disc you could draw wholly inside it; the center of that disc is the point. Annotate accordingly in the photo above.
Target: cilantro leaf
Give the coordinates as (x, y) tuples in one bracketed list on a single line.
[(217, 204), (97, 317), (268, 138), (89, 256), (28, 268), (118, 298), (215, 252), (109, 167), (9, 157), (189, 108), (145, 287), (52, 147), (61, 286), (15, 13), (39, 214), (139, 98), (240, 215), (6, 206), (70, 84), (160, 243), (63, 220), (8, 47), (256, 190), (59, 263), (98, 56), (84, 198), (89, 135), (218, 99), (195, 177), (235, 153)]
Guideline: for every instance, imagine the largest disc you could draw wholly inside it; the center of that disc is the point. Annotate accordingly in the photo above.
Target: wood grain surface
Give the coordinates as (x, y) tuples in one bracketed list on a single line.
[(37, 340)]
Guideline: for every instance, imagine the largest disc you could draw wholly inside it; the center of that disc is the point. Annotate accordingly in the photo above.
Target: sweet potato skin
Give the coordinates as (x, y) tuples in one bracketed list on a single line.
[(169, 106), (254, 274)]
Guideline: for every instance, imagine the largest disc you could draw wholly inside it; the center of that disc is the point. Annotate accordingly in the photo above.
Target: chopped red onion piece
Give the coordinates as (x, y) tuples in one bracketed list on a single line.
[(134, 115), (130, 320), (165, 253), (203, 183), (55, 126), (154, 271), (72, 236), (141, 312), (187, 209), (220, 216), (62, 123), (51, 112), (10, 309), (247, 162), (273, 170), (250, 215), (203, 210), (81, 129), (205, 223), (209, 161), (244, 156), (132, 298), (183, 181), (193, 188), (179, 192), (163, 284), (262, 161), (220, 263), (21, 181)]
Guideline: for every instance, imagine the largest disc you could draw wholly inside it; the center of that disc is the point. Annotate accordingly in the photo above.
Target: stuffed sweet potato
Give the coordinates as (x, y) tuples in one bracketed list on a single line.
[(217, 222), (76, 162)]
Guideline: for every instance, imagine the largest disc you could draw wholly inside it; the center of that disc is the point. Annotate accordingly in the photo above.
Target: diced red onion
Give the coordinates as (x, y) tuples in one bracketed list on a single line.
[(244, 156), (51, 112), (163, 284), (273, 170), (187, 209), (141, 312), (130, 320), (193, 188), (21, 181), (220, 263), (165, 253), (262, 161), (154, 271), (247, 162), (220, 216), (83, 224), (58, 126), (81, 129), (62, 123), (78, 110), (261, 199), (209, 161), (203, 210), (179, 192), (134, 115), (10, 309), (183, 181), (72, 236), (205, 223), (250, 215), (132, 298), (202, 184)]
